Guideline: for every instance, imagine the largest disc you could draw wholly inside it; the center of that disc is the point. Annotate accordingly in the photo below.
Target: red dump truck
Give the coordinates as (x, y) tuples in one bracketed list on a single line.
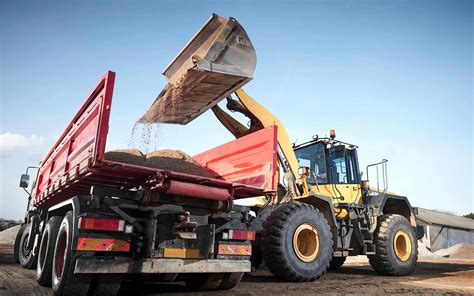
[(92, 222)]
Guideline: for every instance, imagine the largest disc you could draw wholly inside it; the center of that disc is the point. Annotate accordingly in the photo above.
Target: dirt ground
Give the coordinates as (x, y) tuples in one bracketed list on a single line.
[(440, 276)]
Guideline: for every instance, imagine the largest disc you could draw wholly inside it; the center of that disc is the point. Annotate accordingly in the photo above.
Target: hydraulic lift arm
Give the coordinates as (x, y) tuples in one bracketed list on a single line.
[(260, 118)]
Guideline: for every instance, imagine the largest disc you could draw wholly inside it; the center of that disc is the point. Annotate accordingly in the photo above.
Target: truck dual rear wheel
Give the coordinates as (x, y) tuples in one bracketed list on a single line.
[(297, 242), (64, 281), (27, 257), (396, 246), (46, 251), (203, 281), (230, 280)]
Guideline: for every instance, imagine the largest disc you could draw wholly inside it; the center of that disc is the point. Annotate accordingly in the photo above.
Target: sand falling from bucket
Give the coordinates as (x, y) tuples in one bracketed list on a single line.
[(145, 132), (144, 136), (165, 105)]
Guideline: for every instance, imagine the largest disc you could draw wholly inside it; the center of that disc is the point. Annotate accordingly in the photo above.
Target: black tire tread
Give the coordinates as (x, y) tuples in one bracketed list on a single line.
[(203, 281), (75, 284), (30, 262), (272, 234), (16, 249), (230, 280), (381, 262), (44, 279), (336, 262)]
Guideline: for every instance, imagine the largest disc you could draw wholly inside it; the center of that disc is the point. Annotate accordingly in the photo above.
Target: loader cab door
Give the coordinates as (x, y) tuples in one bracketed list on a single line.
[(344, 174)]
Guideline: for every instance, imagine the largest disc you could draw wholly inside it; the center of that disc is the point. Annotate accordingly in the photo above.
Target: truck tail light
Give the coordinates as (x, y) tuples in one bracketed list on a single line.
[(101, 224), (241, 235)]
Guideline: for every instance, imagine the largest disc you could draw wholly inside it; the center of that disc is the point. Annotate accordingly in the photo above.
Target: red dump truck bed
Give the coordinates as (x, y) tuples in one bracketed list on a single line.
[(243, 168)]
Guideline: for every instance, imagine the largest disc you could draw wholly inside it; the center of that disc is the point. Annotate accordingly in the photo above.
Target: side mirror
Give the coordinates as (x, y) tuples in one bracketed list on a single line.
[(24, 180)]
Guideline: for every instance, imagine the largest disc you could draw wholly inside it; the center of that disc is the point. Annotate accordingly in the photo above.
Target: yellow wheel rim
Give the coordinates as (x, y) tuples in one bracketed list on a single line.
[(402, 245), (306, 242)]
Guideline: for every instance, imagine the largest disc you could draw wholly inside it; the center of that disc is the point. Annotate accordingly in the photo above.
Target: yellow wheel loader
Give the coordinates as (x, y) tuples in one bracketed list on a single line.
[(321, 211)]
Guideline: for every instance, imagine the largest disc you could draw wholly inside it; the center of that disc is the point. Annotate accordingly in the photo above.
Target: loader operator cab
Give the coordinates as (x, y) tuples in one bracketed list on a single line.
[(333, 168)]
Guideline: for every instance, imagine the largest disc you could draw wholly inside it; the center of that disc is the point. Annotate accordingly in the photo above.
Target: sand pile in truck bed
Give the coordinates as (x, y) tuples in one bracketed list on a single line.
[(167, 159)]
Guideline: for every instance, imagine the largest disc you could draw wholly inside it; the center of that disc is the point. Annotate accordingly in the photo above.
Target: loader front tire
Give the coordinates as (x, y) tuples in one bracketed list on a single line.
[(297, 242), (396, 246)]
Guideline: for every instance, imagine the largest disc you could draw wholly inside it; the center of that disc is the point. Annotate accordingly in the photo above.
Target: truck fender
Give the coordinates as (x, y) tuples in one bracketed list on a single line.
[(324, 205), (60, 209)]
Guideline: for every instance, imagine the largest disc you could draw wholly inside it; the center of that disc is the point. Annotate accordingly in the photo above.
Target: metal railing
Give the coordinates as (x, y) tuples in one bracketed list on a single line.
[(381, 171)]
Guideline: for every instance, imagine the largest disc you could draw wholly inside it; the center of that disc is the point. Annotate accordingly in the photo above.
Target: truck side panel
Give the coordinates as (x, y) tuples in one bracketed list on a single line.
[(249, 160), (81, 143)]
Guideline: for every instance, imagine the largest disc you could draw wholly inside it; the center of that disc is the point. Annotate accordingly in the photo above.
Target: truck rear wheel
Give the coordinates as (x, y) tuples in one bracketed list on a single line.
[(297, 242), (16, 248), (46, 251), (230, 280), (64, 281), (26, 257), (203, 281), (336, 262), (396, 246)]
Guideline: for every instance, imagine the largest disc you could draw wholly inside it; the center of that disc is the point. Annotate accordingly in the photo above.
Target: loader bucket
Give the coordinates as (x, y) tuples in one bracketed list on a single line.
[(218, 60)]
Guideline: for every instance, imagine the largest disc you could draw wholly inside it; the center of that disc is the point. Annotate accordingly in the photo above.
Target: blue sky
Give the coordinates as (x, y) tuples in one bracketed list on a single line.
[(394, 77)]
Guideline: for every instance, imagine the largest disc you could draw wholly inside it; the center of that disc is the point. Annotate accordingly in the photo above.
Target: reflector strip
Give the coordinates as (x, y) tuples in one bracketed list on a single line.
[(181, 253), (101, 224), (241, 235), (102, 244), (242, 250)]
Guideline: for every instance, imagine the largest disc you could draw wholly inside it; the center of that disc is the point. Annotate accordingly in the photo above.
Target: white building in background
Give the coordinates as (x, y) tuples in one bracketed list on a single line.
[(444, 230)]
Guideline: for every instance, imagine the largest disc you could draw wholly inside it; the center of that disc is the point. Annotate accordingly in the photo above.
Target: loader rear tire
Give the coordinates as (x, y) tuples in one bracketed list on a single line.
[(336, 262), (203, 281), (44, 266), (26, 257), (16, 248), (396, 246), (64, 281), (230, 280), (297, 242)]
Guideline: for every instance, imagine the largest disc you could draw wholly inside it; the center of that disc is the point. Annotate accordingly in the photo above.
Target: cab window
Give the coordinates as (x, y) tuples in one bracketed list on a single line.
[(343, 166), (313, 156), (339, 170)]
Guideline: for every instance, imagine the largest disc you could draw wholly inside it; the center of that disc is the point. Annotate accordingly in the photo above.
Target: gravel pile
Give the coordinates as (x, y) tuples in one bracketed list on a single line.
[(424, 252), (5, 224), (459, 251), (8, 235)]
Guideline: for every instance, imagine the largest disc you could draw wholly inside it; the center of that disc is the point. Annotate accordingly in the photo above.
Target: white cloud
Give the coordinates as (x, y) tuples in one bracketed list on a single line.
[(10, 142)]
